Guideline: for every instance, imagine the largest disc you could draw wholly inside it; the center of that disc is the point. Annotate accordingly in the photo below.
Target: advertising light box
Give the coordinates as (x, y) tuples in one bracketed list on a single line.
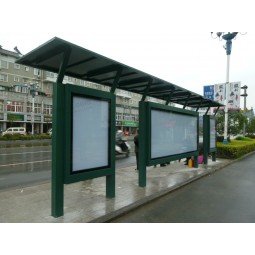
[(212, 134), (90, 133), (173, 133)]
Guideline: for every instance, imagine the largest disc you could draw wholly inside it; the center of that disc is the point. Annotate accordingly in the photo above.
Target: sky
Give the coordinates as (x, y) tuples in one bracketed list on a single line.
[(171, 42)]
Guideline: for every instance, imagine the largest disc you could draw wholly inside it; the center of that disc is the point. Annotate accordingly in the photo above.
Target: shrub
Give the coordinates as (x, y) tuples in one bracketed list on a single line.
[(251, 136), (221, 138), (243, 138), (24, 137), (236, 149)]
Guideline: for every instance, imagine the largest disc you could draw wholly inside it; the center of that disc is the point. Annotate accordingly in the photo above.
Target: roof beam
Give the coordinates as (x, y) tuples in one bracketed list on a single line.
[(170, 96), (63, 65), (116, 80), (187, 100), (102, 70), (147, 90), (134, 81), (111, 78), (81, 62)]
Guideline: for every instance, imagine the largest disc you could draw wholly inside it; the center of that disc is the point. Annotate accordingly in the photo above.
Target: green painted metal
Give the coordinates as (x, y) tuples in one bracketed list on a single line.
[(100, 95), (147, 90), (58, 151), (206, 139), (64, 63), (144, 158), (116, 80), (62, 144), (142, 148), (151, 162)]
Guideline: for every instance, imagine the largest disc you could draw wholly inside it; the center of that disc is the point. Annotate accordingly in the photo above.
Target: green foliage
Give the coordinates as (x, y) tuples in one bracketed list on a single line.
[(236, 121), (251, 136), (235, 149), (24, 137), (221, 138), (250, 128), (243, 138)]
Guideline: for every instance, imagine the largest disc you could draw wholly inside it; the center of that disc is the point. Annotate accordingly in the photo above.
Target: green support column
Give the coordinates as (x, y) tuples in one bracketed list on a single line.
[(214, 156), (110, 186), (142, 144), (196, 161), (58, 151), (205, 138)]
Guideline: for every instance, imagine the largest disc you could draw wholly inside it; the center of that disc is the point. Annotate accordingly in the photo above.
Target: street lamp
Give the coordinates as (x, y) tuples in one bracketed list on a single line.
[(33, 92), (228, 38), (244, 107)]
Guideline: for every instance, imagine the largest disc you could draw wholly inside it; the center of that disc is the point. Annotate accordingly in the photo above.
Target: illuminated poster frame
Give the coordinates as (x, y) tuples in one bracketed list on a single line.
[(90, 133), (171, 116), (76, 112)]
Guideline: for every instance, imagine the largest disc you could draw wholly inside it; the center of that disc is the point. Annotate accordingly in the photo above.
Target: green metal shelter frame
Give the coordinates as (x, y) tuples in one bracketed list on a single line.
[(65, 58), (209, 137)]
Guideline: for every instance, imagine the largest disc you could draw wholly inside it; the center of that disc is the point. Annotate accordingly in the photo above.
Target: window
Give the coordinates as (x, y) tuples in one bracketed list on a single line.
[(26, 68), (29, 107), (3, 64), (47, 109), (37, 108), (37, 72), (119, 116), (24, 89), (16, 78), (1, 105), (14, 106), (4, 77), (17, 88), (16, 66)]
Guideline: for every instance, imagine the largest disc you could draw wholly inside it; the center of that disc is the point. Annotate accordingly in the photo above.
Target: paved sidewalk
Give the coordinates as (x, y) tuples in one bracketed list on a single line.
[(86, 201)]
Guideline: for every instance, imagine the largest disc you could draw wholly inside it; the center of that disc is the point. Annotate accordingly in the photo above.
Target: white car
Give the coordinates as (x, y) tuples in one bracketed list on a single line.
[(14, 131)]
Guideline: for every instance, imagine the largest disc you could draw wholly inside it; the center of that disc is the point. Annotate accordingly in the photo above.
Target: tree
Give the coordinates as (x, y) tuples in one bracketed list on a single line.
[(236, 121), (251, 126)]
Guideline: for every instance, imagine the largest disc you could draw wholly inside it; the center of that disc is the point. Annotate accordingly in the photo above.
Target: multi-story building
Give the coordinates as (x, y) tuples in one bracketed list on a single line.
[(26, 97)]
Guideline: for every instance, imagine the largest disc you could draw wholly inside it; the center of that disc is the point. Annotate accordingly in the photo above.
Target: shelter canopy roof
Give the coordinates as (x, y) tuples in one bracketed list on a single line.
[(87, 65)]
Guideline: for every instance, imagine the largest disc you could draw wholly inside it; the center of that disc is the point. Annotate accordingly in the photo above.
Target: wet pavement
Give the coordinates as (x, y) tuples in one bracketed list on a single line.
[(86, 201)]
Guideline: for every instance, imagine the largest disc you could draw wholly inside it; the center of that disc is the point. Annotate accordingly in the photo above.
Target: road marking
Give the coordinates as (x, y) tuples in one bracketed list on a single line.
[(32, 162), (18, 153)]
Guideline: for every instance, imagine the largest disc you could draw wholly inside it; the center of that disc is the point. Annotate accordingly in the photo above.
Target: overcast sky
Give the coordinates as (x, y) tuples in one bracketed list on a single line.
[(170, 42)]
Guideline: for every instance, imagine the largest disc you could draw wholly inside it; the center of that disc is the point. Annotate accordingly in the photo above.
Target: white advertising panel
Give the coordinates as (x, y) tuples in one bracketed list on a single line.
[(172, 133), (234, 95), (90, 133), (219, 93), (212, 134)]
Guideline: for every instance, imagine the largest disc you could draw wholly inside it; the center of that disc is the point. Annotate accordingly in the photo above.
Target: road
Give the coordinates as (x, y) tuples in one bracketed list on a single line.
[(227, 196), (23, 166)]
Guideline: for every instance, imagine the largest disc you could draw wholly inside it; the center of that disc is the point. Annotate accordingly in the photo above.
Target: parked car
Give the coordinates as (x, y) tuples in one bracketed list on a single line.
[(14, 131)]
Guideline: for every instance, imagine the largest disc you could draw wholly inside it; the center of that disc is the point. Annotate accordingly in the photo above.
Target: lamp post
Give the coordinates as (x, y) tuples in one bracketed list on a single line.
[(33, 88), (244, 107), (228, 38)]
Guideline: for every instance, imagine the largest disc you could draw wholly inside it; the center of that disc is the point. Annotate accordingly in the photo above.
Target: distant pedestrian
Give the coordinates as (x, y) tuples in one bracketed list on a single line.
[(136, 142)]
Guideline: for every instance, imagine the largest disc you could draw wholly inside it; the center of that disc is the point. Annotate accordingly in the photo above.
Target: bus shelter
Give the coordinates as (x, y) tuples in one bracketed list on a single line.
[(166, 132)]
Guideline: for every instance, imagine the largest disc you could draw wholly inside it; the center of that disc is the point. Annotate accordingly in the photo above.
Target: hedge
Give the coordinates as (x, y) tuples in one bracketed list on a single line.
[(9, 137), (235, 149)]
